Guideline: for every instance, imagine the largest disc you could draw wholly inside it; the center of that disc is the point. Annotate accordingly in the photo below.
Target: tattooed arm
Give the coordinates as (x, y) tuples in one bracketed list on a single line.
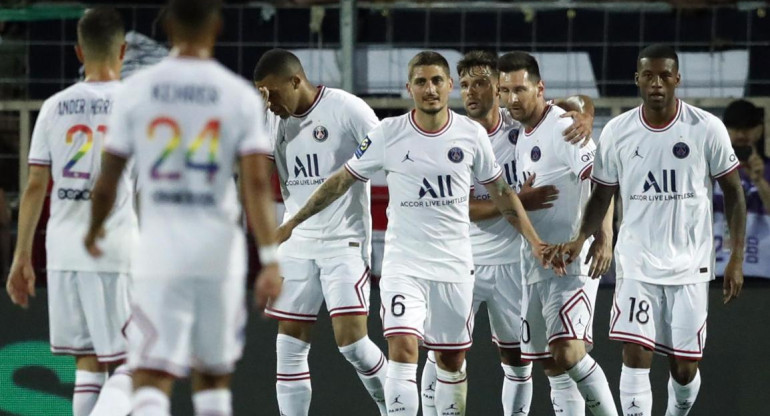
[(332, 188)]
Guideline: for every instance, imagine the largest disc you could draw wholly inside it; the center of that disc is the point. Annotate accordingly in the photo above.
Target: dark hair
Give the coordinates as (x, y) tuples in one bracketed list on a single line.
[(658, 51), (426, 58), (276, 62), (191, 14), (518, 60), (742, 114), (100, 30), (475, 59)]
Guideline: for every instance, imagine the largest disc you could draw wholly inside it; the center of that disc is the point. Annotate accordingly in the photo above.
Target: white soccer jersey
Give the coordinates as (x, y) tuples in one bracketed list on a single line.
[(308, 149), (665, 178), (495, 241), (69, 137), (543, 152), (186, 121), (429, 177)]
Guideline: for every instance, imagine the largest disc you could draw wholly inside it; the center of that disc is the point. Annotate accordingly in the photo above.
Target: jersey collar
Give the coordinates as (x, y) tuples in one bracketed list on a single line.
[(318, 96), (436, 133), (665, 126), (528, 132)]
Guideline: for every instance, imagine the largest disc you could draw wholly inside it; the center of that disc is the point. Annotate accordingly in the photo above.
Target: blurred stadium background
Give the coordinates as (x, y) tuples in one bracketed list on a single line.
[(584, 47)]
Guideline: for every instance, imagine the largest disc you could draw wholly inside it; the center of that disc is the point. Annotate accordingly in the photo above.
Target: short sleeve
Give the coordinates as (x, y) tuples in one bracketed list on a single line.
[(485, 166), (40, 149), (255, 137), (120, 130), (274, 130), (605, 170), (719, 150), (361, 118), (369, 157), (580, 159)]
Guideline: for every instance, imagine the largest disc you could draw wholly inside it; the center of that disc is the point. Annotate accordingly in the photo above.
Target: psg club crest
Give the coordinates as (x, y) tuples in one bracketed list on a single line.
[(681, 150), (535, 154), (456, 155), (513, 136), (320, 133)]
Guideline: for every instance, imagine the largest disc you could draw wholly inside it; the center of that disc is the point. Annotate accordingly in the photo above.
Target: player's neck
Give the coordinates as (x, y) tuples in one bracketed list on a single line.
[(101, 72), (308, 94), (195, 50), (537, 115), (490, 120), (431, 121), (662, 117)]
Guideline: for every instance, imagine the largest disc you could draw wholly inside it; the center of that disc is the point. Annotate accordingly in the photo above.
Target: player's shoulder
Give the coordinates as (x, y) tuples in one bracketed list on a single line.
[(555, 120), (466, 123), (690, 114), (343, 97), (627, 120)]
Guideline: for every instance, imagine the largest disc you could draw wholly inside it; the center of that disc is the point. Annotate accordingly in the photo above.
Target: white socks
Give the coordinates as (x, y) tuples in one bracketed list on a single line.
[(213, 402), (592, 383), (681, 398), (87, 388), (401, 395), (292, 376), (517, 389), (149, 401), (451, 391), (371, 365), (565, 396), (635, 391), (115, 398), (428, 385)]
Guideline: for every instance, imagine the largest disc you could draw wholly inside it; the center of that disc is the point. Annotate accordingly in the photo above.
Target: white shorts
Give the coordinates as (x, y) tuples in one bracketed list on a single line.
[(499, 286), (177, 324), (86, 311), (668, 319), (343, 281), (438, 313), (558, 308)]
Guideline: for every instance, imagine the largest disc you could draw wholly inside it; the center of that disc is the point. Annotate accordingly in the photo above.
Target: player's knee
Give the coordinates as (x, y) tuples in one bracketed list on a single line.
[(683, 371), (403, 349), (512, 356), (349, 329), (636, 356), (567, 353), (450, 360), (294, 329), (204, 381), (90, 363), (152, 378)]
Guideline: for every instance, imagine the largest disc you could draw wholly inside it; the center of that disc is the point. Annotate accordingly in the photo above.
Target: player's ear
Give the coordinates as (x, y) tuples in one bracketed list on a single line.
[(636, 78), (409, 89), (295, 81), (541, 88), (678, 78), (79, 53), (451, 83), (123, 48)]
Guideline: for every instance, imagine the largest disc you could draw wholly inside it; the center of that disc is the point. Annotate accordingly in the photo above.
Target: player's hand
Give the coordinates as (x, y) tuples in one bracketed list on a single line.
[(552, 259), (755, 167), (600, 256), (581, 128), (21, 281), (284, 231), (90, 242), (535, 198), (733, 279), (268, 285), (570, 249)]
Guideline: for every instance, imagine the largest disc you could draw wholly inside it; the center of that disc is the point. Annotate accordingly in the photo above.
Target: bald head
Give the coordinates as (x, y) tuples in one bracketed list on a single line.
[(279, 63), (101, 34)]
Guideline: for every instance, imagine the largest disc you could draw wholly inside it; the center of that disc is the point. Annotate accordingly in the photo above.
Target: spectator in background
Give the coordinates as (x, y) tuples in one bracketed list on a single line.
[(745, 124)]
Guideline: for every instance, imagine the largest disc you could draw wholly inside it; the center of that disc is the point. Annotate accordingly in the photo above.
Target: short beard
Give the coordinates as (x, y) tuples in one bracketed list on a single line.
[(432, 111)]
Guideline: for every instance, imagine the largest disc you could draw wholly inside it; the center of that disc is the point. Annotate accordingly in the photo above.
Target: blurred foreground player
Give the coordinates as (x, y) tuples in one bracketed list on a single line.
[(87, 297), (664, 156), (188, 122), (327, 257)]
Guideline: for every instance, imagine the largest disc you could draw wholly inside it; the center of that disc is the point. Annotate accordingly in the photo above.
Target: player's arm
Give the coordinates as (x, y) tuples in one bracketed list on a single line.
[(597, 215), (532, 198), (735, 213), (581, 109), (600, 252), (21, 280), (103, 198), (328, 192), (510, 207)]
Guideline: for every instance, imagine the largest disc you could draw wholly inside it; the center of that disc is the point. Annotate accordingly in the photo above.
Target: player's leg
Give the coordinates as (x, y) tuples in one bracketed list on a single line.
[(428, 385), (566, 399), (636, 317), (69, 335), (404, 309), (448, 329), (688, 311), (152, 389), (345, 282), (211, 394), (568, 313), (296, 309), (504, 309), (104, 299)]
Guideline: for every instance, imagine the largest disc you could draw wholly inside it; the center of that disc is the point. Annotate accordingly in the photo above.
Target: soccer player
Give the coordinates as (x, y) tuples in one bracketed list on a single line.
[(430, 156), (663, 156), (187, 122), (496, 245), (87, 298), (557, 311), (327, 257)]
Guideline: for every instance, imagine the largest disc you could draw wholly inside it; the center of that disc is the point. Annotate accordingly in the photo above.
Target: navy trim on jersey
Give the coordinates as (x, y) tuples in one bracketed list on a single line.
[(356, 174), (665, 126), (436, 133), (39, 162), (601, 182), (318, 96)]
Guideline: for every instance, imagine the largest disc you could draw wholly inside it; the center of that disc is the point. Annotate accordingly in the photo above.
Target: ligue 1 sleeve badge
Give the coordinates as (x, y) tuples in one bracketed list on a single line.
[(456, 155), (681, 150), (535, 154), (320, 133)]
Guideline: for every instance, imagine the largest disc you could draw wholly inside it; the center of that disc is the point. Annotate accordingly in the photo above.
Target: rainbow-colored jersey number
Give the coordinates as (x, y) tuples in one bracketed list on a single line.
[(210, 130), (68, 171)]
